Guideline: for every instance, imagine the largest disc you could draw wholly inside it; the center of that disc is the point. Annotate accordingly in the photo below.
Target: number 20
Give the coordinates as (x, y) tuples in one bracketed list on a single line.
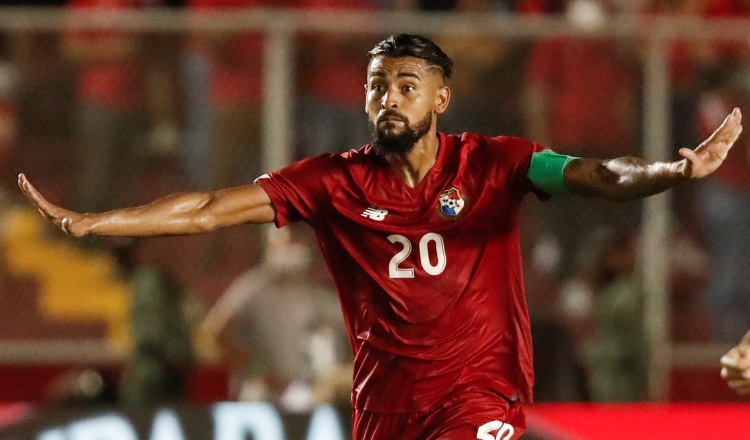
[(394, 271), (504, 431)]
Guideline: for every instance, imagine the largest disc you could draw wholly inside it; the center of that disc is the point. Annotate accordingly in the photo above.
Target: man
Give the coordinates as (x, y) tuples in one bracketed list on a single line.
[(419, 230)]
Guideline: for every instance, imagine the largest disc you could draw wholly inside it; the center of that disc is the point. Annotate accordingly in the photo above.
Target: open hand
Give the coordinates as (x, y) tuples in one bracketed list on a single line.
[(66, 220), (709, 155)]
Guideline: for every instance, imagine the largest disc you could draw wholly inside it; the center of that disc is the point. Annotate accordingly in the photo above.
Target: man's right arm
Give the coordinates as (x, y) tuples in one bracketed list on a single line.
[(178, 214)]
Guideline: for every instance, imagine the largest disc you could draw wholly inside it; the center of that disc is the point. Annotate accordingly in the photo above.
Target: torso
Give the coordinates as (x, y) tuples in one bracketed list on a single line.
[(431, 291)]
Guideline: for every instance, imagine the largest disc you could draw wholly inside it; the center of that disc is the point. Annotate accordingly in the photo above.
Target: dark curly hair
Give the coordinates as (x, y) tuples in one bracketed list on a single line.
[(410, 45)]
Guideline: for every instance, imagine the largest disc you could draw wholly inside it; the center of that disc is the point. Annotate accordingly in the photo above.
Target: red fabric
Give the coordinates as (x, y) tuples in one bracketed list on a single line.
[(417, 339), (727, 8), (586, 83), (117, 83), (466, 415)]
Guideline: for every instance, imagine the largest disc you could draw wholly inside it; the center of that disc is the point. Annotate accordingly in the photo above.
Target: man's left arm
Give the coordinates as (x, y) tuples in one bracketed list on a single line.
[(627, 178)]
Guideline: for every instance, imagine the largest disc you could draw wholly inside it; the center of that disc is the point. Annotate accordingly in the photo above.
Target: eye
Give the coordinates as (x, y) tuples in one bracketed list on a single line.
[(378, 88), (407, 88)]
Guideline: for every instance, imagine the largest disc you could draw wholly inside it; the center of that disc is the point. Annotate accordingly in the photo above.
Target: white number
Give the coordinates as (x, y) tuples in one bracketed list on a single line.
[(394, 271), (424, 253), (504, 431)]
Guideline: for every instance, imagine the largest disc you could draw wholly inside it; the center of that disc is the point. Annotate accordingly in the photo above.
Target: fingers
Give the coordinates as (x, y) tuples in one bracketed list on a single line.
[(737, 113), (29, 191), (65, 225), (735, 369), (728, 131), (48, 210), (688, 154), (731, 128)]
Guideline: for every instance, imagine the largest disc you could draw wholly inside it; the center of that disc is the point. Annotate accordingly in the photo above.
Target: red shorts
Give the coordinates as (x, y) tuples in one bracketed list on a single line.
[(470, 416)]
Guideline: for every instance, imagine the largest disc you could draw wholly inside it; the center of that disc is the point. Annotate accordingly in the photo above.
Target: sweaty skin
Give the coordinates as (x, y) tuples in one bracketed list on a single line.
[(632, 177)]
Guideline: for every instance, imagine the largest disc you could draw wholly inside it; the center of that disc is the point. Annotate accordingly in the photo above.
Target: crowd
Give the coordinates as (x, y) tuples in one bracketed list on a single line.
[(191, 103)]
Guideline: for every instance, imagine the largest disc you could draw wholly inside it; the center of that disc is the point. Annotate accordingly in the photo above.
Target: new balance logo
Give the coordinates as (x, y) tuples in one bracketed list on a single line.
[(374, 213)]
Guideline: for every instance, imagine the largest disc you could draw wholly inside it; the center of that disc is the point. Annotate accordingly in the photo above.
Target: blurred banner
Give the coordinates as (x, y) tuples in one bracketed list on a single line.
[(263, 421), (222, 421)]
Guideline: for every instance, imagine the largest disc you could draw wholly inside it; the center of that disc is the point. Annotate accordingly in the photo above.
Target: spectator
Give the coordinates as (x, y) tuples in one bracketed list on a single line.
[(114, 115), (232, 63), (159, 366), (581, 95), (330, 84), (725, 205), (616, 354), (687, 58), (487, 88), (235, 96), (281, 330)]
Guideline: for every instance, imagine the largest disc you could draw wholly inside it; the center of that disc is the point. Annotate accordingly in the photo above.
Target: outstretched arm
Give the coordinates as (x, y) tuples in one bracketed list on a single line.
[(178, 214), (735, 367), (630, 177)]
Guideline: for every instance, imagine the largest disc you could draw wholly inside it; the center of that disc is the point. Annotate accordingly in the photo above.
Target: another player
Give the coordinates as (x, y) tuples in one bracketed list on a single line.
[(735, 367), (419, 230)]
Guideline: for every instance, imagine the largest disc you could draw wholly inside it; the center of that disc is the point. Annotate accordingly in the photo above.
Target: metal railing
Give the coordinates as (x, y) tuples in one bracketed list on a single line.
[(281, 26)]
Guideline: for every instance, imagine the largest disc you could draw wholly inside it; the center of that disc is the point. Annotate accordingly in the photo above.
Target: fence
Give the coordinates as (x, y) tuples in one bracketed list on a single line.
[(650, 37)]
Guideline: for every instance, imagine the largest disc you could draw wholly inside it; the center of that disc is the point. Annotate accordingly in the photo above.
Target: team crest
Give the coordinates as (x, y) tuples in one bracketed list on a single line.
[(451, 204)]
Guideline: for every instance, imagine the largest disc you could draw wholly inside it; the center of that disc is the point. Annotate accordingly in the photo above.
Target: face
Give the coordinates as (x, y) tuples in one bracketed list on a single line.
[(404, 96)]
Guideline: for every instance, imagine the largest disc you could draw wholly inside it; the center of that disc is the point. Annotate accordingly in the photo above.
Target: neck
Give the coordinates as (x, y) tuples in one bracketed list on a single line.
[(413, 166)]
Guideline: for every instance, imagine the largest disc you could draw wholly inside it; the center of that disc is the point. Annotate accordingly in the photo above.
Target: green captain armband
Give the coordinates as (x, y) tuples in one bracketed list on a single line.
[(546, 171)]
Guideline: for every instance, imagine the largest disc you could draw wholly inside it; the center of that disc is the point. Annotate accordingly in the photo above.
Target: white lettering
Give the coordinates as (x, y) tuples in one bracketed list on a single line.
[(233, 421), (166, 426), (109, 427), (325, 425), (53, 434)]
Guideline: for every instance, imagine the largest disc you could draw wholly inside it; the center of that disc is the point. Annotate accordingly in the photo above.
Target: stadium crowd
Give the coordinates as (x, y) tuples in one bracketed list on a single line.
[(155, 113)]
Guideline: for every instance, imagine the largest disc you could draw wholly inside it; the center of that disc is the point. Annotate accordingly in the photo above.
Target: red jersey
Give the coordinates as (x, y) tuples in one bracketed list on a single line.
[(429, 278)]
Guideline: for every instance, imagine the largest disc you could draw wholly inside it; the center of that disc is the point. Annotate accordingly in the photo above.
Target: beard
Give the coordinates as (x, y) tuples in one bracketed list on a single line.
[(389, 142)]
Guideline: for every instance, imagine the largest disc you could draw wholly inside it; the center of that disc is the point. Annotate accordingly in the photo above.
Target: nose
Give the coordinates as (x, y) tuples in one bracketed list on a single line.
[(390, 99)]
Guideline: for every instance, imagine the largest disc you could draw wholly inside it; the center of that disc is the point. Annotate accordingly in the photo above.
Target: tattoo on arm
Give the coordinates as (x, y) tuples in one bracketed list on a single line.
[(623, 178)]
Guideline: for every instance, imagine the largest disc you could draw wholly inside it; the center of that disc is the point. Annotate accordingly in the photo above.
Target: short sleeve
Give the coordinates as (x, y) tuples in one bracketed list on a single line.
[(514, 159), (299, 192)]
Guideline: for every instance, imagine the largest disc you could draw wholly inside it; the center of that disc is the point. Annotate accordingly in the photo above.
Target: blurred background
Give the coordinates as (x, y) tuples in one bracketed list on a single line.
[(110, 103)]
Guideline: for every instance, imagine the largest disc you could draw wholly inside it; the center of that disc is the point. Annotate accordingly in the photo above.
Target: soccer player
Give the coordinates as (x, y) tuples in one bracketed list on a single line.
[(419, 230), (735, 367)]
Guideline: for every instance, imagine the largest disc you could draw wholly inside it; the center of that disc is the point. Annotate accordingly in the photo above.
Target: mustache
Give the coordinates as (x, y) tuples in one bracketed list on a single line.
[(392, 114)]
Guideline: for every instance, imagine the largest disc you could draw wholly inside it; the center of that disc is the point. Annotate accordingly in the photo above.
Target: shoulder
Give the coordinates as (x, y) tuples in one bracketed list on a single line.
[(333, 161), (500, 146)]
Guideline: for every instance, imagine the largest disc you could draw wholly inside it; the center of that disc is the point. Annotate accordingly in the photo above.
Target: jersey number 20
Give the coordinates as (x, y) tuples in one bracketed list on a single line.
[(503, 431), (396, 271)]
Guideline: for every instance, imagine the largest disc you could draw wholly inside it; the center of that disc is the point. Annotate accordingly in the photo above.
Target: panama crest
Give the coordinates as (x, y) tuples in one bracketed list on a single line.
[(450, 204)]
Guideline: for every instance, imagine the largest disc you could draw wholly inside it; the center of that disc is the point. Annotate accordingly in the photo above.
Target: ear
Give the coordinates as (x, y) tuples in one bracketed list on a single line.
[(442, 98), (366, 111)]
